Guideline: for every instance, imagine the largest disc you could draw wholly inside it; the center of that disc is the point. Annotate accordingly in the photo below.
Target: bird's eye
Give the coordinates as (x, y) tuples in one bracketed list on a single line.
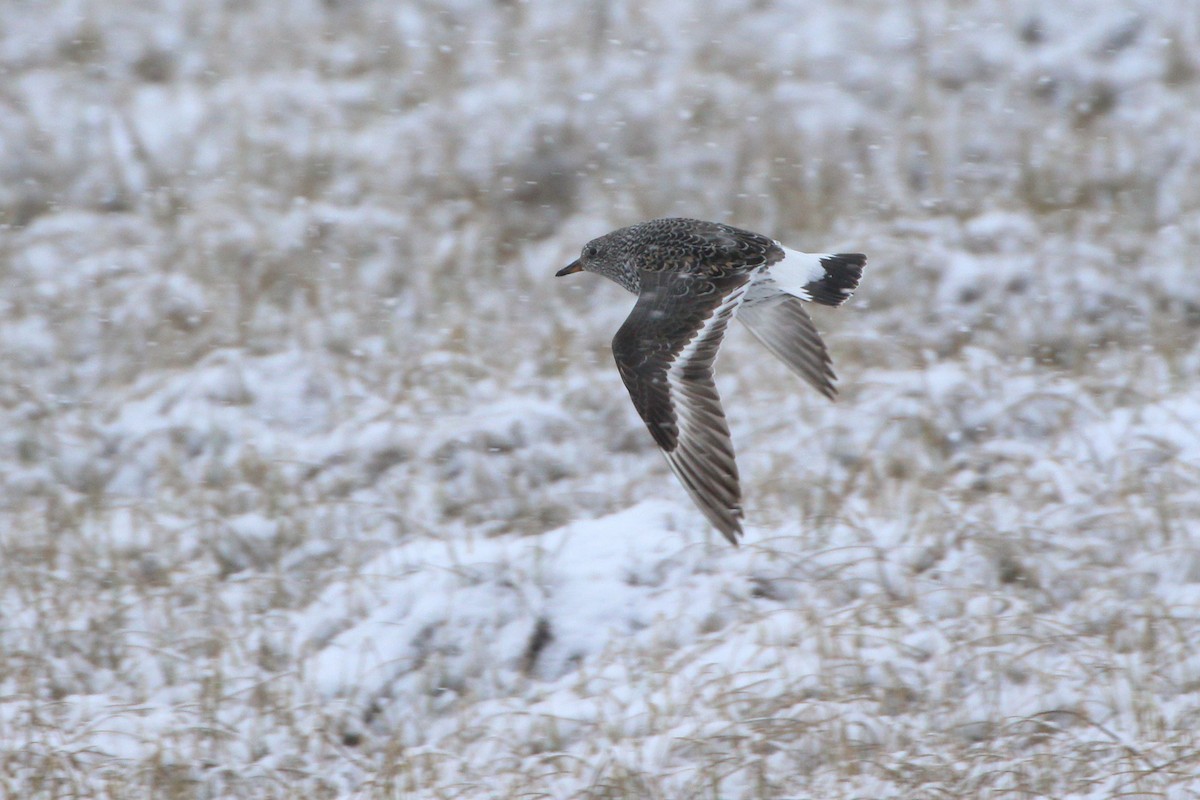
[(589, 251)]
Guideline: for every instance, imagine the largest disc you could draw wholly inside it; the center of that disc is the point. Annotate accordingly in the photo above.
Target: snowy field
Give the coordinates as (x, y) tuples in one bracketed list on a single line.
[(315, 483)]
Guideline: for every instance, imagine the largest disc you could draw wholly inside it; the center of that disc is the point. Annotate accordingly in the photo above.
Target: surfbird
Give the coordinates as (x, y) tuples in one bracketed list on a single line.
[(691, 277)]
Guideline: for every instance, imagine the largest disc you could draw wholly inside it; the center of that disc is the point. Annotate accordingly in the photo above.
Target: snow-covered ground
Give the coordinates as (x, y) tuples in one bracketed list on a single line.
[(314, 482)]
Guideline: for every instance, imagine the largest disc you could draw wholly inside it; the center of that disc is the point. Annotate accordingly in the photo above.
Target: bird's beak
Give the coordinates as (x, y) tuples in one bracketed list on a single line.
[(574, 266)]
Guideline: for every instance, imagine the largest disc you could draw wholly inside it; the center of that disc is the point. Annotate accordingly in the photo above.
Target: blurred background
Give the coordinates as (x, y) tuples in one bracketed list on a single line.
[(279, 341)]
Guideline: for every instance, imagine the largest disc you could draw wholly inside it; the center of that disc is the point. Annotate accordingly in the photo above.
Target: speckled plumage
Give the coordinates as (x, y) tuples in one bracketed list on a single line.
[(677, 245), (691, 278)]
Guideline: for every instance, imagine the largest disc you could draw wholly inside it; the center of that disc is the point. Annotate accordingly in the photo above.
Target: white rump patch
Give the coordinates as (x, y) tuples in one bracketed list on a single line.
[(796, 271)]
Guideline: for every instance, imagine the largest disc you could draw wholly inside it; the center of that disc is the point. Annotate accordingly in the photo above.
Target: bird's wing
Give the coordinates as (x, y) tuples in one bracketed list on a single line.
[(784, 328), (665, 353)]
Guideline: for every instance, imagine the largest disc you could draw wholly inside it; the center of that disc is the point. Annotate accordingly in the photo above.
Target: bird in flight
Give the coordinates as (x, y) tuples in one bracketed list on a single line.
[(691, 277)]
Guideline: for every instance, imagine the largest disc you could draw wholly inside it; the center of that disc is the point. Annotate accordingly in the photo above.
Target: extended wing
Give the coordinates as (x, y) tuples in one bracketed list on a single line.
[(665, 353)]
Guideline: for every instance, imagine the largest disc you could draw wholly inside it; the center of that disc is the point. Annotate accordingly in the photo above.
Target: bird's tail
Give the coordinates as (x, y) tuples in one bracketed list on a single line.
[(825, 278), (843, 271)]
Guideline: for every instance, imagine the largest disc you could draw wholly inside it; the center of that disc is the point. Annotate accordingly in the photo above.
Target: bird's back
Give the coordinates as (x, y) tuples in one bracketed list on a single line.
[(674, 244)]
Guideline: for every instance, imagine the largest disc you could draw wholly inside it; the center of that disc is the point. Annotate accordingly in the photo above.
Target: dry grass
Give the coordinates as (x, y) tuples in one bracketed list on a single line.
[(274, 279)]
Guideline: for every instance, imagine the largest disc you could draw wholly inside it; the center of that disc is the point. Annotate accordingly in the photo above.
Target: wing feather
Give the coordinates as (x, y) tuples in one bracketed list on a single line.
[(784, 328), (665, 353)]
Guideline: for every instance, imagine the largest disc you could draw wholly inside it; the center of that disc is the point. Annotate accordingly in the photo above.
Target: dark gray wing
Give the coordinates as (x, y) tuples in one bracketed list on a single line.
[(665, 353), (784, 328)]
